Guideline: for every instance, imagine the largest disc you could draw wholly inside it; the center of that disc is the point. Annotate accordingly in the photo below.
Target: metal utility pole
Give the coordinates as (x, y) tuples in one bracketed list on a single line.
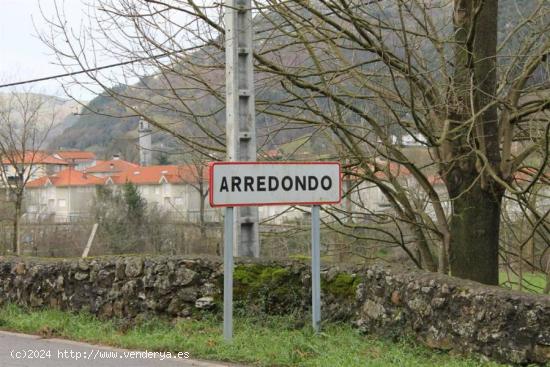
[(241, 114)]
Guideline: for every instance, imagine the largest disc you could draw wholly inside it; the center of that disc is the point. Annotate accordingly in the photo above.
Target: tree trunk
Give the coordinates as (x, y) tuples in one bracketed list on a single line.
[(475, 232), (426, 258), (16, 244), (473, 143), (202, 221)]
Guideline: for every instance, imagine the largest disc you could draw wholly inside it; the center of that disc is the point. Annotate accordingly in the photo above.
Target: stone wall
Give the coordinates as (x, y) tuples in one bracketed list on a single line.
[(172, 286), (440, 311), (449, 313)]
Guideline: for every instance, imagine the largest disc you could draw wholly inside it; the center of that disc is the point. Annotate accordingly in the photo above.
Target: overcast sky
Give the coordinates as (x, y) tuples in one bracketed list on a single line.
[(22, 54)]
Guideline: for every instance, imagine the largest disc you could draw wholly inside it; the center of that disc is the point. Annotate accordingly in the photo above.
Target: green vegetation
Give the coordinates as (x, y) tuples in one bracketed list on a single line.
[(135, 203), (532, 282), (343, 284), (257, 276), (273, 341), (129, 226), (266, 289)]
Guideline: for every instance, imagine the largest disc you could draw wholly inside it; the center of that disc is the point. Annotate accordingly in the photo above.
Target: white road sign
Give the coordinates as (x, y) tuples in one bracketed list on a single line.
[(274, 183)]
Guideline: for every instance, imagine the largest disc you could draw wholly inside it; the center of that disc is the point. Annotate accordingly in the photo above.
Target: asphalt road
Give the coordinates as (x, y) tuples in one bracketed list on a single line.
[(21, 350)]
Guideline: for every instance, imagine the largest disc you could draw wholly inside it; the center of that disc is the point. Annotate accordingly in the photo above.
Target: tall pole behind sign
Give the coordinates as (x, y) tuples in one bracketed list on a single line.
[(240, 113)]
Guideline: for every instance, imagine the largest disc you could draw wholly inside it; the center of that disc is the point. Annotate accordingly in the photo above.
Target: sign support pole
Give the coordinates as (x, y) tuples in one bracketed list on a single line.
[(228, 275), (247, 184), (316, 267)]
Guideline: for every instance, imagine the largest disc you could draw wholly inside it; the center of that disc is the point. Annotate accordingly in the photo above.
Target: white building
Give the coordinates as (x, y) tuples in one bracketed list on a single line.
[(32, 165), (177, 190), (69, 194), (64, 196), (78, 159), (112, 167)]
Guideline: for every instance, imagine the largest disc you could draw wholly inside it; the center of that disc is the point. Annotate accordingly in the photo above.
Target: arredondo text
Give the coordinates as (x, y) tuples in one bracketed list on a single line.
[(273, 183)]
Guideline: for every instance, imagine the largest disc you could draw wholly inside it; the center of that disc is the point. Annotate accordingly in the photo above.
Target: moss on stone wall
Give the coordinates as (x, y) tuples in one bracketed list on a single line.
[(255, 276), (342, 285), (265, 288)]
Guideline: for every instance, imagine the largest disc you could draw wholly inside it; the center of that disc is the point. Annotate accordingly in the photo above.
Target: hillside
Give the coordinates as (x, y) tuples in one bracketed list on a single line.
[(54, 111), (55, 114), (100, 131)]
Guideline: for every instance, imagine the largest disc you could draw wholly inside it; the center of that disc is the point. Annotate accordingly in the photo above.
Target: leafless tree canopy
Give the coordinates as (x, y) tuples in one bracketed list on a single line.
[(468, 86)]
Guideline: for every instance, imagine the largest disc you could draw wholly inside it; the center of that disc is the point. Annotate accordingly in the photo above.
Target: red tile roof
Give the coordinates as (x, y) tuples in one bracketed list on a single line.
[(77, 155), (123, 172), (68, 177), (526, 175), (33, 157), (113, 165), (395, 170), (435, 180), (272, 153), (154, 174)]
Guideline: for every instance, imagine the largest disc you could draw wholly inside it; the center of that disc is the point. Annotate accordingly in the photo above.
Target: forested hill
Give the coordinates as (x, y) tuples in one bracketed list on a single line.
[(101, 132)]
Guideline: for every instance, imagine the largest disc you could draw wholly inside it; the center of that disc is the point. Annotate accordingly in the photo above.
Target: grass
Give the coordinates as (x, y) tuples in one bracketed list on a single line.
[(272, 341), (532, 282)]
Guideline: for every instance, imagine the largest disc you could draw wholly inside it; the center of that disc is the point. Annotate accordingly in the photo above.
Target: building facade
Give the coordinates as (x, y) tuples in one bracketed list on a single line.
[(179, 191)]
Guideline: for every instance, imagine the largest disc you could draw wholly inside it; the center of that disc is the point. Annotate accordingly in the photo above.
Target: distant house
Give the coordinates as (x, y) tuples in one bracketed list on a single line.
[(80, 160), (412, 140), (367, 198), (36, 164), (32, 164), (112, 167), (539, 190), (174, 189), (367, 195), (272, 154), (63, 196), (69, 194)]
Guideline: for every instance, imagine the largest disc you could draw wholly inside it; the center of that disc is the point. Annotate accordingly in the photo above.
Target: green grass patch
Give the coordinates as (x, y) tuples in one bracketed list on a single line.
[(272, 341), (532, 282)]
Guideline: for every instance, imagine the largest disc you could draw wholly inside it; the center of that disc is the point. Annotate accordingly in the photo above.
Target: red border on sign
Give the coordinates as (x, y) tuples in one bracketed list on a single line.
[(211, 178)]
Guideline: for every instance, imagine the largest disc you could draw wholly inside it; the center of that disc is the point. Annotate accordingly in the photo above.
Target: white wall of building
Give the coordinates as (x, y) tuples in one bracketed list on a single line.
[(180, 201), (60, 203)]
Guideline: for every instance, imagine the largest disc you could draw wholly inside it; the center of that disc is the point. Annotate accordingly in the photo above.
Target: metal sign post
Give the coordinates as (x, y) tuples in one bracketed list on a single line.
[(228, 275), (252, 184), (316, 267)]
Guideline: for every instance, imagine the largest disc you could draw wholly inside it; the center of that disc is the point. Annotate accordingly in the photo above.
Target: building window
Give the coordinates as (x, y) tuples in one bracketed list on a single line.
[(178, 201), (62, 203)]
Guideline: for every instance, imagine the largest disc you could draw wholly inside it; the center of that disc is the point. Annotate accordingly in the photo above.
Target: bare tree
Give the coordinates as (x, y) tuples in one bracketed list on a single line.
[(24, 127), (463, 79), (200, 185)]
